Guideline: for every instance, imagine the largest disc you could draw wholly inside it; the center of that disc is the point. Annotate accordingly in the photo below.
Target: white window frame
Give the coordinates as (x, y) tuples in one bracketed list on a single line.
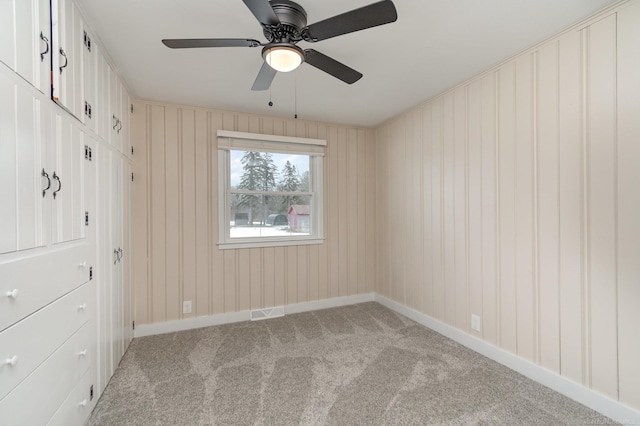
[(314, 148)]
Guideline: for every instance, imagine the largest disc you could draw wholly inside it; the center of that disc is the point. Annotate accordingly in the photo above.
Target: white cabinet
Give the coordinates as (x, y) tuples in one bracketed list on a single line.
[(113, 197), (67, 170), (67, 32), (24, 31), (64, 215), (22, 209)]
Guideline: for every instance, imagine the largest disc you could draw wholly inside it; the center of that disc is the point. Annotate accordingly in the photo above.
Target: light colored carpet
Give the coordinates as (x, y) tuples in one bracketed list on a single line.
[(355, 365)]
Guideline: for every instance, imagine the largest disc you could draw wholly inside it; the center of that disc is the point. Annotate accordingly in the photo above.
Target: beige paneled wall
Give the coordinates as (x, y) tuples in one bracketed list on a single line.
[(516, 196), (176, 257)]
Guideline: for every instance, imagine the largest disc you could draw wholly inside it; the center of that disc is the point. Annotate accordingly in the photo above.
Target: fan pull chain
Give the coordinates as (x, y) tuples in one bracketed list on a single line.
[(270, 103), (295, 97)]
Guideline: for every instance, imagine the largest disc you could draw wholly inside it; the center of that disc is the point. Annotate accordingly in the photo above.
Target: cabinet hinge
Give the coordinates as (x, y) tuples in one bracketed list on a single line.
[(134, 325), (90, 273), (88, 153), (87, 109), (86, 218), (131, 108), (87, 41), (132, 177), (91, 393), (132, 150)]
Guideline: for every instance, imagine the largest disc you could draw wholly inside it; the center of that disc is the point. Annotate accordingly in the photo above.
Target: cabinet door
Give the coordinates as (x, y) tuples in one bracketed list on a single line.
[(43, 53), (68, 181), (21, 222), (26, 18), (7, 33), (123, 130), (103, 109), (115, 96), (117, 292), (23, 37), (68, 40)]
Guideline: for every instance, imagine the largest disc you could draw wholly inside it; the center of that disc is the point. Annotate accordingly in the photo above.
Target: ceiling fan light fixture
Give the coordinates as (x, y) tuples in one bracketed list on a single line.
[(283, 58)]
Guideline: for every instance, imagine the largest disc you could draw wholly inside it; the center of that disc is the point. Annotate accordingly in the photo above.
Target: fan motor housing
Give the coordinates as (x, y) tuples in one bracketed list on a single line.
[(292, 19)]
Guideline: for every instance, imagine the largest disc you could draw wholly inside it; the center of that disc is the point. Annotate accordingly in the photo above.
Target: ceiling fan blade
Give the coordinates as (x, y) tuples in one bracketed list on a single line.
[(263, 11), (331, 66), (182, 43), (380, 13), (264, 78)]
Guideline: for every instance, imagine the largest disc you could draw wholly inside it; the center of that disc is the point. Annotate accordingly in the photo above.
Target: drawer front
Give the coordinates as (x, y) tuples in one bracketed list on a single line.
[(25, 345), (38, 397), (29, 283), (75, 410)]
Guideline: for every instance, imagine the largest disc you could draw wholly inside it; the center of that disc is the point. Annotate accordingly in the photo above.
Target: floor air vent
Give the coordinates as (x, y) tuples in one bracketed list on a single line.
[(260, 314)]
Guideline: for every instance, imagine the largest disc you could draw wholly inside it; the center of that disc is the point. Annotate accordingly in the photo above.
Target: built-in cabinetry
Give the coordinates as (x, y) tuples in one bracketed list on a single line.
[(65, 293)]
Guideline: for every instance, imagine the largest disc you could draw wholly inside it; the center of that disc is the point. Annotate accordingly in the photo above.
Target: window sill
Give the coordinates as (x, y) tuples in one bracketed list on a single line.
[(269, 243)]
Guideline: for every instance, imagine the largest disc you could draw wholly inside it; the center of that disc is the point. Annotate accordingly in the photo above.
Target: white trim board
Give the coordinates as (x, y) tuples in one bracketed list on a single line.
[(199, 322), (585, 396)]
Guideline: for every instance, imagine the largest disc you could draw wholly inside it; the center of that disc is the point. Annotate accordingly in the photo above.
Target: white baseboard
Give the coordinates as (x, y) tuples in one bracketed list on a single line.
[(592, 399), (199, 322)]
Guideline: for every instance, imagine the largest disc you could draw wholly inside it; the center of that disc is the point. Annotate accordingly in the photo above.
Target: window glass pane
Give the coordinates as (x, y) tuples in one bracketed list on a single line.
[(270, 215), (269, 171)]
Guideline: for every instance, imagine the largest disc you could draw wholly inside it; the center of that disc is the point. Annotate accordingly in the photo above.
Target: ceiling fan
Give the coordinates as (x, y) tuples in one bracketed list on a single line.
[(284, 24)]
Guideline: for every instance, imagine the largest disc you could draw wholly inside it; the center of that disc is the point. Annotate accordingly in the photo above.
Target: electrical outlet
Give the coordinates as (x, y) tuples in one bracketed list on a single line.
[(186, 307), (475, 322)]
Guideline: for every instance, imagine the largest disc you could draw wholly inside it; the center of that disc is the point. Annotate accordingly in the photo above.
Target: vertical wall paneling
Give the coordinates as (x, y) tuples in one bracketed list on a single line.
[(179, 166), (602, 164), (474, 170), (460, 208), (506, 207), (548, 206), (157, 215), (360, 220), (489, 214), (418, 209), (211, 263), (140, 208), (448, 211), (436, 210), (243, 281), (529, 176), (187, 208), (628, 203), (524, 208), (172, 163), (571, 163), (427, 179), (351, 216)]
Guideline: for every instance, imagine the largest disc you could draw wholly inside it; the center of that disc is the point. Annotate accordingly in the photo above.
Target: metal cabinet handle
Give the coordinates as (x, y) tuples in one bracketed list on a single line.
[(46, 175), (119, 126), (115, 122), (115, 256), (121, 254), (56, 177), (66, 60), (46, 40)]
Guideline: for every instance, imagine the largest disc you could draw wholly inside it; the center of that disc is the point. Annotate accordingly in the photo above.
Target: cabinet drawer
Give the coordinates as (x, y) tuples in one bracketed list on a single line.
[(29, 283), (29, 342), (75, 410), (39, 396)]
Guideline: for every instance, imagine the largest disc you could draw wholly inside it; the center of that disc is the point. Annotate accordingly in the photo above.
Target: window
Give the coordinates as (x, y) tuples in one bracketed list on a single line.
[(270, 190)]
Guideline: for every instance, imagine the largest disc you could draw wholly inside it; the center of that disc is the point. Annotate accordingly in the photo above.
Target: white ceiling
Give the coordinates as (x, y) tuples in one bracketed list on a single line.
[(433, 45)]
